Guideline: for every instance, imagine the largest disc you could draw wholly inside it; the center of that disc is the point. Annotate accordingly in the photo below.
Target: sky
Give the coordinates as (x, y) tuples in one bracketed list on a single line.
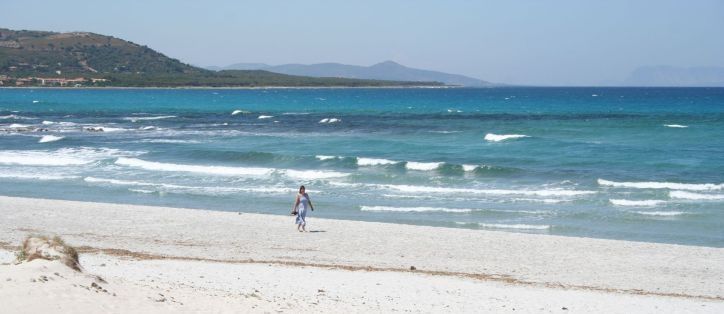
[(530, 42)]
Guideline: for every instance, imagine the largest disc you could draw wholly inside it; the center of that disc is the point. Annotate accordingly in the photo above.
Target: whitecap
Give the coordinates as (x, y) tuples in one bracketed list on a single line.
[(60, 157), (444, 190), (15, 117), (470, 167), (695, 196), (642, 203), (237, 112), (325, 157), (659, 213), (422, 166), (42, 177), (135, 119), (228, 171), (663, 185), (169, 141), (50, 138), (330, 120), (444, 132), (514, 226), (414, 209), (362, 161), (675, 126), (497, 138), (36, 101), (265, 117)]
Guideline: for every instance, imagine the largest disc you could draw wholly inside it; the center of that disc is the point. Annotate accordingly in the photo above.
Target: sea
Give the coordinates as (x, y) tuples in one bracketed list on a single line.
[(640, 164)]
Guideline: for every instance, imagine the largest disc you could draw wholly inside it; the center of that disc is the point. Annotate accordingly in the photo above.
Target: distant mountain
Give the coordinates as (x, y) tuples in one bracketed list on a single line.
[(387, 70), (676, 76), (40, 58)]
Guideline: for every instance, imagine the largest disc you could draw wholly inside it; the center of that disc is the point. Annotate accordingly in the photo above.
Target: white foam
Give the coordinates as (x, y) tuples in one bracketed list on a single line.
[(147, 128), (313, 174), (45, 122), (330, 120), (470, 167), (361, 161), (643, 203), (50, 138), (443, 190), (659, 213), (134, 119), (237, 112), (36, 101), (262, 117), (142, 191), (18, 126), (675, 126), (228, 171), (514, 226), (445, 132), (663, 185), (169, 141), (497, 138), (15, 117), (422, 166), (43, 177), (695, 196), (414, 209), (61, 157), (325, 157)]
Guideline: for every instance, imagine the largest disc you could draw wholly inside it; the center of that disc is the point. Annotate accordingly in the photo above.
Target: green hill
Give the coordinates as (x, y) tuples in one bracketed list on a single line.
[(49, 58)]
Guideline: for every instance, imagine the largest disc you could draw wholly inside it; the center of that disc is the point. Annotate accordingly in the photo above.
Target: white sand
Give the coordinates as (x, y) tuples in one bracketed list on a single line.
[(457, 270)]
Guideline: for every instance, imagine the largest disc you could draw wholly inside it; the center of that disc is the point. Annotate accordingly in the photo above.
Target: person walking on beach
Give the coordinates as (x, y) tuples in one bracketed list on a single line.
[(300, 209)]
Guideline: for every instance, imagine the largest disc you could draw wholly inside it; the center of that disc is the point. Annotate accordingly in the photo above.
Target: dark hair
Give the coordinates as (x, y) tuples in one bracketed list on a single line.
[(300, 189)]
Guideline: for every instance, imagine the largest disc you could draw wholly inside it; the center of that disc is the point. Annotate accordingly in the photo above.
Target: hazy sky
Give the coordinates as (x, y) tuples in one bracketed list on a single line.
[(520, 42)]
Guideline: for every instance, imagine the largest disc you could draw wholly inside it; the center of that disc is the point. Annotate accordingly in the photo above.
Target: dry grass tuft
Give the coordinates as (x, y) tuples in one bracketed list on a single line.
[(42, 247)]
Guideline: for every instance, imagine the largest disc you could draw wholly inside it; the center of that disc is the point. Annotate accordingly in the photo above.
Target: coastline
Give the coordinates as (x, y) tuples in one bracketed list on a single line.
[(237, 87), (600, 269)]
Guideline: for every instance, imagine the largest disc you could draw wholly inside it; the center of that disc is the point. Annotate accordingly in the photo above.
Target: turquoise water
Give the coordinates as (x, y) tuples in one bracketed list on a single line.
[(620, 163)]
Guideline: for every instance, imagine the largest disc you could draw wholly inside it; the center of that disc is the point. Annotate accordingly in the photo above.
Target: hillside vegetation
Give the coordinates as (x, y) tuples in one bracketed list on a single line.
[(88, 59)]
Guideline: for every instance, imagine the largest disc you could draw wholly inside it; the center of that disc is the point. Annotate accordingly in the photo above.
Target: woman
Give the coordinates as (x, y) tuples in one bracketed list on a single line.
[(300, 207)]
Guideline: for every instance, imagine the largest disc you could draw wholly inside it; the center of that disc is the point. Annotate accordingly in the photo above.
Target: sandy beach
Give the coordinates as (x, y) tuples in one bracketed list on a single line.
[(157, 259)]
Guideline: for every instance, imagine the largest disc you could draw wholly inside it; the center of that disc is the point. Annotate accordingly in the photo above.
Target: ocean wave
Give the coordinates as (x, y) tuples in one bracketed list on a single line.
[(330, 120), (325, 157), (695, 196), (238, 112), (15, 117), (675, 126), (228, 171), (497, 138), (362, 161), (168, 141), (205, 190), (42, 177), (135, 119), (422, 166), (444, 132), (414, 209), (443, 190), (60, 157), (262, 117), (660, 213), (643, 203), (50, 138), (509, 226), (663, 185)]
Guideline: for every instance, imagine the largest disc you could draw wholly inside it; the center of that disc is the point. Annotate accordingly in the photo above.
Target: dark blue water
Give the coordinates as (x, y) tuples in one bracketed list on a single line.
[(643, 164)]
